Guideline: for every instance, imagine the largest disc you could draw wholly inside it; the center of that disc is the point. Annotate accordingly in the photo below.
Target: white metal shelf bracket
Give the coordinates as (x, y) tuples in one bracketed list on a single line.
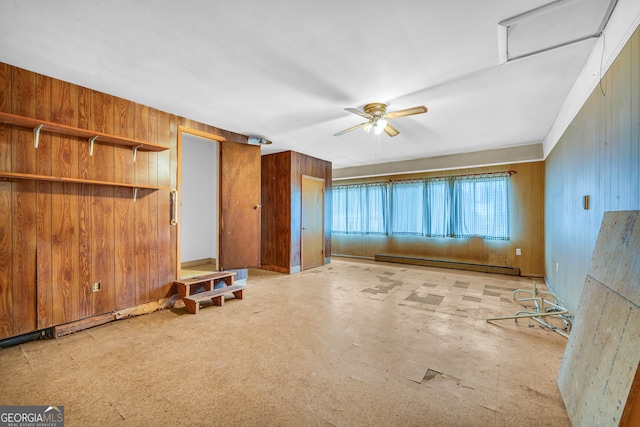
[(135, 150), (135, 194), (91, 141), (36, 135)]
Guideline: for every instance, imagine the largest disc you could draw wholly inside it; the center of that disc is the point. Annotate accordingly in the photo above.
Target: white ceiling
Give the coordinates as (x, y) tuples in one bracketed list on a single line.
[(285, 70)]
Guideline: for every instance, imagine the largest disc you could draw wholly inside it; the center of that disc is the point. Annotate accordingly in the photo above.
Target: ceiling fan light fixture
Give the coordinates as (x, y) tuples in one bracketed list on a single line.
[(378, 118)]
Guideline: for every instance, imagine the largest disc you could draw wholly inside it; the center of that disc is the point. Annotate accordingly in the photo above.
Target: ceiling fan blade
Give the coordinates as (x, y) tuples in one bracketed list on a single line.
[(391, 131), (350, 129), (358, 112), (406, 112)]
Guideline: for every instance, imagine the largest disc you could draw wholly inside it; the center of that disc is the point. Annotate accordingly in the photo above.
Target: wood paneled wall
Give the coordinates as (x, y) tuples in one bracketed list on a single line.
[(275, 249), (56, 239), (527, 228), (281, 208), (599, 156)]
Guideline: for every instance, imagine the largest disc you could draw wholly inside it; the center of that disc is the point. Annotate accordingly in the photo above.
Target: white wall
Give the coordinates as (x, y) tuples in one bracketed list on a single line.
[(199, 199)]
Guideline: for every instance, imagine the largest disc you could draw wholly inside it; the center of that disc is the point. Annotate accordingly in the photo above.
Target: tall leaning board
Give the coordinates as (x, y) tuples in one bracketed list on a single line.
[(599, 374)]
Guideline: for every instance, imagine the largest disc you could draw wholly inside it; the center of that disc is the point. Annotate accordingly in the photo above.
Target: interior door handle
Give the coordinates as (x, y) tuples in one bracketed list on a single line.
[(257, 206)]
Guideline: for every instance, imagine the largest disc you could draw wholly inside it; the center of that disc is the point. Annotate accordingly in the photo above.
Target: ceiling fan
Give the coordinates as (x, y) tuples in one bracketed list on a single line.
[(377, 116)]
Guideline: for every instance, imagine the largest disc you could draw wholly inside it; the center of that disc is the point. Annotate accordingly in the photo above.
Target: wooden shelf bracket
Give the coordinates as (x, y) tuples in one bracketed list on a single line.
[(91, 141), (36, 135)]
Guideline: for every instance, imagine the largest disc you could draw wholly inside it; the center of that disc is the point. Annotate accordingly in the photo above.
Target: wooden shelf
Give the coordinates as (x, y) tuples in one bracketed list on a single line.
[(15, 175), (91, 136), (42, 125)]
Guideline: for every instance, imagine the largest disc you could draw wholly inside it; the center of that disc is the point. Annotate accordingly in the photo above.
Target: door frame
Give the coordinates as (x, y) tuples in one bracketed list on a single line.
[(206, 135)]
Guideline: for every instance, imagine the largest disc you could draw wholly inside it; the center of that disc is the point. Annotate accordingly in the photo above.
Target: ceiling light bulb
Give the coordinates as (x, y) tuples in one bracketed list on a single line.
[(367, 127), (378, 128)]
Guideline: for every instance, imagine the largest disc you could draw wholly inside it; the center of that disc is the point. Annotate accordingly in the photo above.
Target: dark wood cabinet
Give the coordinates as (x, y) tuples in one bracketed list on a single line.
[(282, 220)]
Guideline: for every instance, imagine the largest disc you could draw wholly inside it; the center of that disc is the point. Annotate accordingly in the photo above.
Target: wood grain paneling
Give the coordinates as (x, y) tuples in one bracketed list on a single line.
[(125, 116), (64, 221), (6, 237), (598, 155), (57, 239), (125, 231), (103, 209), (64, 216), (141, 210), (24, 257), (24, 207), (43, 215), (165, 265), (84, 210), (5, 106), (153, 203), (6, 261), (23, 153), (84, 115)]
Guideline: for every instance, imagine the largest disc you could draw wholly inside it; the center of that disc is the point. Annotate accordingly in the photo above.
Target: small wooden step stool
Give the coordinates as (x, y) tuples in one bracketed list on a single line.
[(208, 281), (192, 300)]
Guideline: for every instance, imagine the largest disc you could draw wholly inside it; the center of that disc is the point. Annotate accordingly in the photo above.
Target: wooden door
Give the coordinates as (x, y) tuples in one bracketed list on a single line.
[(312, 222), (239, 206)]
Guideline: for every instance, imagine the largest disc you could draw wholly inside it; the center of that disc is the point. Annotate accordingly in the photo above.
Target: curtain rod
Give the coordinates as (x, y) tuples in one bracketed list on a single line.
[(509, 172)]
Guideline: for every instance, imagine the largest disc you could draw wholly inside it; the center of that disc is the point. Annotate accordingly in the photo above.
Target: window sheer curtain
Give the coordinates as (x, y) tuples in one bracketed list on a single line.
[(438, 202), (455, 206), (360, 209), (421, 208), (407, 207), (482, 207)]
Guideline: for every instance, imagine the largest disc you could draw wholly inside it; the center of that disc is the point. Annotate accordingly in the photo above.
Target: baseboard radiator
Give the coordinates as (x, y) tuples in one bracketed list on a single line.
[(484, 268)]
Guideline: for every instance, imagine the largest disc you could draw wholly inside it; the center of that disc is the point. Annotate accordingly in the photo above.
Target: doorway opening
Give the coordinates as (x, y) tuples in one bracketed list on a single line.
[(198, 230)]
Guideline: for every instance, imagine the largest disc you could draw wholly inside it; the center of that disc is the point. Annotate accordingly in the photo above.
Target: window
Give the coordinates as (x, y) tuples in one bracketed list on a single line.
[(421, 208), (407, 208), (360, 209), (438, 202), (481, 207), (456, 206)]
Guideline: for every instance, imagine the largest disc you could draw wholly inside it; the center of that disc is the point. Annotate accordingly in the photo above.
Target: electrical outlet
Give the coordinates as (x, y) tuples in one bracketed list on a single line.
[(95, 287), (557, 266), (518, 252)]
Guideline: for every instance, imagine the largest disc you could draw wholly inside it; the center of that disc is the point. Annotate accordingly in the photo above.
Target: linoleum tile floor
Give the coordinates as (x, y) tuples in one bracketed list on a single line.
[(350, 343)]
